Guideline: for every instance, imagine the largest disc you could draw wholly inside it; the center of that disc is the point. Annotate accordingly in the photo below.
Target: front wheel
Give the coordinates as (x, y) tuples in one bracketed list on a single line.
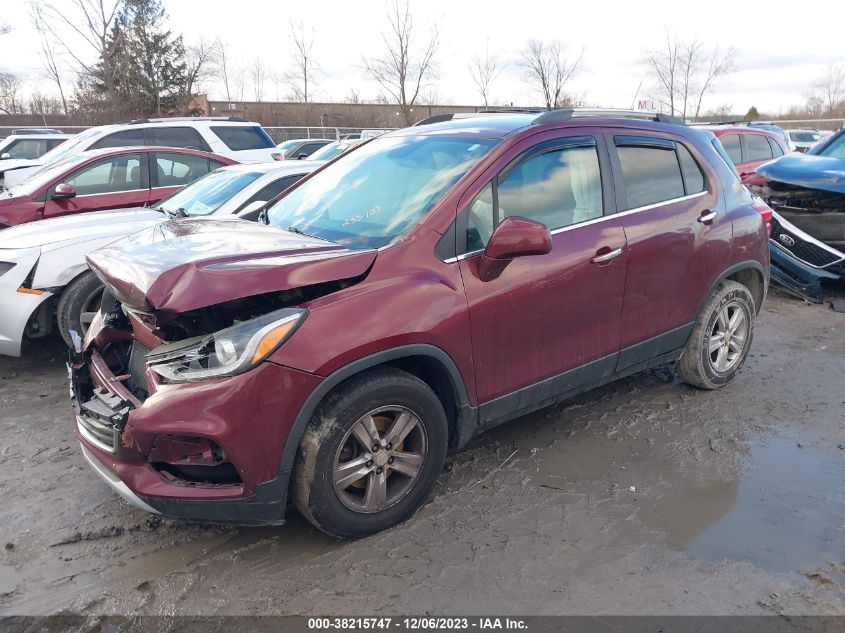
[(78, 304), (721, 337), (370, 454)]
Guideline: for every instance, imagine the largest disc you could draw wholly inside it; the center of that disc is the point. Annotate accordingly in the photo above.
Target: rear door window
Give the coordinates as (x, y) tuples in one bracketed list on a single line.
[(125, 138), (693, 176), (650, 170), (732, 146), (177, 170), (186, 137), (242, 137), (757, 147)]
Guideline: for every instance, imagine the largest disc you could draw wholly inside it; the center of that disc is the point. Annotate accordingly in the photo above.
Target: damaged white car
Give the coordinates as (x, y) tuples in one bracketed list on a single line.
[(44, 279)]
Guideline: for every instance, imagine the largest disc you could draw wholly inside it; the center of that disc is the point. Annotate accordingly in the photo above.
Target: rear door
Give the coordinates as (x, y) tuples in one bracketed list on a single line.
[(546, 316), (678, 236), (110, 183), (170, 171)]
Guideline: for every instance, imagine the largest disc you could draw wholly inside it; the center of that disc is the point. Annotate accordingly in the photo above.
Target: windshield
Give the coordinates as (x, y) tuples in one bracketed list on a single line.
[(379, 191), (329, 151), (43, 176), (207, 195), (834, 149), (76, 144)]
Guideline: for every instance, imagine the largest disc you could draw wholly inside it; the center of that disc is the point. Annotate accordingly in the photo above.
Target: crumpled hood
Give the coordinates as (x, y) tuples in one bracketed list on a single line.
[(182, 265), (807, 170), (78, 227)]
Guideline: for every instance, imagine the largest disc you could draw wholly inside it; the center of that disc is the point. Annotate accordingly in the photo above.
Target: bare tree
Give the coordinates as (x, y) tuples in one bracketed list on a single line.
[(239, 82), (91, 21), (223, 66), (258, 74), (10, 86), (200, 64), (304, 65), (52, 70), (549, 68), (831, 88), (684, 73), (403, 70), (484, 70)]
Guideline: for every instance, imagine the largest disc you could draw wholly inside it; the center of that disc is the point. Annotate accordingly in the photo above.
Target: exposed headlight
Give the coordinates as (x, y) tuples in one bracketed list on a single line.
[(228, 352), (5, 267)]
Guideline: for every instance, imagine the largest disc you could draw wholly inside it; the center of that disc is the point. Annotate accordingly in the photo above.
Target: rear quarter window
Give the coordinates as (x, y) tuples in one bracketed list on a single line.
[(243, 137)]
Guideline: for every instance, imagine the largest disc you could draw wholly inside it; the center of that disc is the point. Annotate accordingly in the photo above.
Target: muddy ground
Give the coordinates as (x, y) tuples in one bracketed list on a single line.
[(645, 497)]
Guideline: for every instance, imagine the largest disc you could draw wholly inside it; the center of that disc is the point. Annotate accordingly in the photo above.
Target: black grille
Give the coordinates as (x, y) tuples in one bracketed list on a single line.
[(803, 250), (138, 369)]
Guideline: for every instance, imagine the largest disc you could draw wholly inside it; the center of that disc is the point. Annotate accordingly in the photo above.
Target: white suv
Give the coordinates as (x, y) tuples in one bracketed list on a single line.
[(30, 144), (233, 137)]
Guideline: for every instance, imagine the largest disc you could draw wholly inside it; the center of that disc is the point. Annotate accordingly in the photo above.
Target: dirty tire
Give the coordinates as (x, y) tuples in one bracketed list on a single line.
[(696, 366), (313, 474), (72, 303)]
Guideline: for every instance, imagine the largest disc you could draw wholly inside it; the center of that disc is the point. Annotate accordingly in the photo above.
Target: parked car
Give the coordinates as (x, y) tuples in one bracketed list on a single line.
[(808, 193), (433, 283), (47, 259), (30, 144), (332, 150), (749, 147), (301, 147), (234, 138), (105, 179), (803, 140)]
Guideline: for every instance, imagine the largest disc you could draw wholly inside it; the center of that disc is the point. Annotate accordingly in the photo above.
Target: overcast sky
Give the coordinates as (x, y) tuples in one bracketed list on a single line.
[(780, 48)]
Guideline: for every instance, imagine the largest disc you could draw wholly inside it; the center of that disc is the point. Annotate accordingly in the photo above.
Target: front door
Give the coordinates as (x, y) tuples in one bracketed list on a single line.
[(677, 232), (553, 317), (111, 183)]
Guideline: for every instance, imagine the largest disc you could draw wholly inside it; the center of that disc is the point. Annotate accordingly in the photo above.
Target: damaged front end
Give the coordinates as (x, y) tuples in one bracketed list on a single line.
[(808, 229), (180, 404)]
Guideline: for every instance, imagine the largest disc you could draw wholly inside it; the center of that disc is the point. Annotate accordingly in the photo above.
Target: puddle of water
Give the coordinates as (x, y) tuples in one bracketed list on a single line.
[(789, 512)]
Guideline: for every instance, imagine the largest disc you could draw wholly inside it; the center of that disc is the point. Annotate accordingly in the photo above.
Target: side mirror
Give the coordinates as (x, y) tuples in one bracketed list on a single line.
[(62, 191), (5, 156), (251, 211), (513, 237)]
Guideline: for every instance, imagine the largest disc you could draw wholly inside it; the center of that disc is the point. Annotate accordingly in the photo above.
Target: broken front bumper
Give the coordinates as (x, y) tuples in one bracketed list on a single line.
[(801, 264), (246, 417)]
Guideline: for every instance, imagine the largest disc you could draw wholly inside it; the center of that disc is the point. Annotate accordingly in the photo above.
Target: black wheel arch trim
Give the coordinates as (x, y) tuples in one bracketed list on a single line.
[(749, 264), (464, 425)]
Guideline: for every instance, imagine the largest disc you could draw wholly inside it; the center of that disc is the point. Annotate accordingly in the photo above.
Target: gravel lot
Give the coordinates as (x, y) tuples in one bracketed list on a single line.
[(645, 497)]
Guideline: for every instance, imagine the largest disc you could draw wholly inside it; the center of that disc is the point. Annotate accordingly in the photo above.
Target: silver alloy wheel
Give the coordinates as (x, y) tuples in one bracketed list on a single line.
[(379, 459), (728, 337), (90, 307)]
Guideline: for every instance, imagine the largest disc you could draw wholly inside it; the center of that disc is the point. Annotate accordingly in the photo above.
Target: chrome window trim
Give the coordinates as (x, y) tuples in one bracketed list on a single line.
[(570, 227)]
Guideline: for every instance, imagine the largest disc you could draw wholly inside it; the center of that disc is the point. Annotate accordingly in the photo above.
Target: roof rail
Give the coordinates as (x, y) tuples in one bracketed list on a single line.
[(236, 119), (556, 116), (37, 130)]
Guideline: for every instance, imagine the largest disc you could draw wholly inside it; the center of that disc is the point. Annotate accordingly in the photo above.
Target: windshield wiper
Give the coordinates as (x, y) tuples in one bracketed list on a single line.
[(173, 213), (298, 231)]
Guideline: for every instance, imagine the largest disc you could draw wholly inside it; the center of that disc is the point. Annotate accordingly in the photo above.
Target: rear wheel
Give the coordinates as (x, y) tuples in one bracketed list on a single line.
[(370, 454), (78, 304), (721, 337)]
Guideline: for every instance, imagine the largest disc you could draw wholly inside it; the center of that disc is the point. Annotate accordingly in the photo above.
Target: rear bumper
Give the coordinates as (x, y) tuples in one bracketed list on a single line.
[(248, 417)]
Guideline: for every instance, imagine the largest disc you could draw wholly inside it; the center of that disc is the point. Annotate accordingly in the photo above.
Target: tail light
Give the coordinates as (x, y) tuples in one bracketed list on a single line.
[(765, 210), (277, 156)]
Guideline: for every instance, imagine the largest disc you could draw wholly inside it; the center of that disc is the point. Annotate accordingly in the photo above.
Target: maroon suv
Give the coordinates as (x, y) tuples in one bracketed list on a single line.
[(421, 289)]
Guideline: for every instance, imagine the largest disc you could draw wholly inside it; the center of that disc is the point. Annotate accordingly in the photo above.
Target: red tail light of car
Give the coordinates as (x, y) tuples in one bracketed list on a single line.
[(763, 209)]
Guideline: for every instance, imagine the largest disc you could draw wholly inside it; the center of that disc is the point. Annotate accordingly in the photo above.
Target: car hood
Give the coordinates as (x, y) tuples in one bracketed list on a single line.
[(16, 163), (78, 227), (807, 170), (183, 265)]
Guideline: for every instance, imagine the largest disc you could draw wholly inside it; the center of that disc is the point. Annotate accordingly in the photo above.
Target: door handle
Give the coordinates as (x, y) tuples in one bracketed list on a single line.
[(707, 216), (601, 258)]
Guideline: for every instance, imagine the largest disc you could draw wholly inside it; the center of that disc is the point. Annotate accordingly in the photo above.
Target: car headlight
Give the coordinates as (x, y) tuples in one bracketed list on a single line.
[(5, 267), (228, 352)]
